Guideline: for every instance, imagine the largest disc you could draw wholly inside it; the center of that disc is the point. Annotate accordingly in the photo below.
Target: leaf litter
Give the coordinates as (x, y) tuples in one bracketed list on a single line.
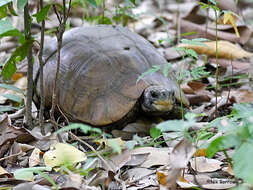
[(172, 164)]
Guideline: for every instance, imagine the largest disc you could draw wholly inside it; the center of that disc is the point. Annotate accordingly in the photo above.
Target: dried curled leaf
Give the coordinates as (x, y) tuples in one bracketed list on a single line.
[(63, 154), (225, 50)]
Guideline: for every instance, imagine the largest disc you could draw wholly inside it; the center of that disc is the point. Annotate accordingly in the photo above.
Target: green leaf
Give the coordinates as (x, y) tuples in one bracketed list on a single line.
[(8, 70), (11, 9), (213, 2), (93, 3), (166, 69), (7, 108), (85, 128), (131, 144), (6, 28), (42, 14), (222, 143), (11, 87), (18, 55), (4, 2), (187, 34), (27, 173), (197, 41), (154, 132), (104, 20), (3, 11), (174, 125), (199, 72), (153, 69), (243, 166), (13, 97), (133, 1), (191, 53), (114, 145), (47, 177), (21, 4)]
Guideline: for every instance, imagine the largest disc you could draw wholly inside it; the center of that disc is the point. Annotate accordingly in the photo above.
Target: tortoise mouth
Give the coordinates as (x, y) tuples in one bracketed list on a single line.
[(163, 105), (157, 100)]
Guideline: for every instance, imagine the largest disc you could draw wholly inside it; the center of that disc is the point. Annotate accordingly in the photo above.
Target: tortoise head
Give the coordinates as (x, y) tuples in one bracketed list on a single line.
[(157, 100)]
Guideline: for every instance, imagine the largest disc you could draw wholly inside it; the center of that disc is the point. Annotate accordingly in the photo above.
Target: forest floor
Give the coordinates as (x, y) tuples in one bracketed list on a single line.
[(210, 149)]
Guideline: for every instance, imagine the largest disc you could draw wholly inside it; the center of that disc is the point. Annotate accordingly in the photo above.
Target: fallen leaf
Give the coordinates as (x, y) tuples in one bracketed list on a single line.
[(231, 19), (63, 154), (3, 171), (202, 164), (34, 159), (225, 50), (178, 159), (200, 152)]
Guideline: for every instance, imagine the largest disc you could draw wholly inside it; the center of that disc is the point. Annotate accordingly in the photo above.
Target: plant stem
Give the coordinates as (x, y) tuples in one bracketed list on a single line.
[(27, 28), (42, 100), (103, 11), (217, 63), (59, 35)]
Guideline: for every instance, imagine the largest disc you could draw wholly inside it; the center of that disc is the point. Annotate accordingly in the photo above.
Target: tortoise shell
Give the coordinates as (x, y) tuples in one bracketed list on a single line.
[(98, 75)]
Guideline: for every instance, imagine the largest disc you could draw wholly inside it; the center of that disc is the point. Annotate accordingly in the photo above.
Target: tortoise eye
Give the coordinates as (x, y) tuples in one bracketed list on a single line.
[(154, 94), (126, 48)]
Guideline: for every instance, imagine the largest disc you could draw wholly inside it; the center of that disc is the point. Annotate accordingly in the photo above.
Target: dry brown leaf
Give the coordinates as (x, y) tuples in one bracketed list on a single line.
[(157, 156), (210, 33), (202, 164), (3, 171), (34, 159), (230, 170), (200, 152), (240, 96), (178, 159), (225, 50)]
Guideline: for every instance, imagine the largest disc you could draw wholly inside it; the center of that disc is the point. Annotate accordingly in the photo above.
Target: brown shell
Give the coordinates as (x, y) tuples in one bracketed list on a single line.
[(99, 69)]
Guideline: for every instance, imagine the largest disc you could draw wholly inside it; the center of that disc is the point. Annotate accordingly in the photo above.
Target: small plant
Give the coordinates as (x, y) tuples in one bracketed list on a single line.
[(237, 130)]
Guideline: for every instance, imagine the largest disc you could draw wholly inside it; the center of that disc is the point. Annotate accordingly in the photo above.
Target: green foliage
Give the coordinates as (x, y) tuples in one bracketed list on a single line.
[(113, 143), (195, 41), (13, 97), (42, 14), (238, 135), (153, 69), (7, 108), (11, 9), (18, 55), (154, 132), (6, 28), (27, 173), (212, 6), (11, 87), (84, 128), (199, 72), (178, 125), (3, 11), (4, 2), (93, 3), (131, 144), (21, 4)]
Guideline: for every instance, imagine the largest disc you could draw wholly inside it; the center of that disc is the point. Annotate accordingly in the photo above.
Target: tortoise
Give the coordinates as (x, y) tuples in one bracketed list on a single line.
[(98, 75)]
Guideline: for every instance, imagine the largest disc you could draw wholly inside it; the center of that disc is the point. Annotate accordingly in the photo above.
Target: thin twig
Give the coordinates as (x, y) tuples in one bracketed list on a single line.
[(90, 147), (42, 100), (231, 79), (10, 156), (56, 12), (217, 63), (29, 94), (59, 36)]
